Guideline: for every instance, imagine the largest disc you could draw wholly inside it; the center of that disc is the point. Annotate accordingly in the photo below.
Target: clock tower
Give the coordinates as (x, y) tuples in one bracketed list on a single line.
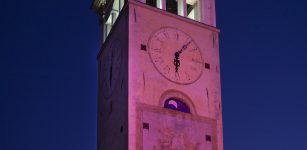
[(159, 75)]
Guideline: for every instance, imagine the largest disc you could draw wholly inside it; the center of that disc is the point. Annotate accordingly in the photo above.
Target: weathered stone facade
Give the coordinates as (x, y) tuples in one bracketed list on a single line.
[(133, 116)]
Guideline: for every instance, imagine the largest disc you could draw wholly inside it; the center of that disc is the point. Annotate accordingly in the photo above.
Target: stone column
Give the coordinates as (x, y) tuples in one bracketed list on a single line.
[(207, 12), (121, 4), (114, 16), (201, 10), (161, 4), (182, 8)]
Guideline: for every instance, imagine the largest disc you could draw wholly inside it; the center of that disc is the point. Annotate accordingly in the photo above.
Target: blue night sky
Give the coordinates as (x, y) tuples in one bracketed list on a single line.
[(48, 80)]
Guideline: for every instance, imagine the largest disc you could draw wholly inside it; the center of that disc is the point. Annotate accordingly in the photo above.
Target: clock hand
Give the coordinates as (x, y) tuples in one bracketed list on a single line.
[(176, 61), (184, 47), (177, 54)]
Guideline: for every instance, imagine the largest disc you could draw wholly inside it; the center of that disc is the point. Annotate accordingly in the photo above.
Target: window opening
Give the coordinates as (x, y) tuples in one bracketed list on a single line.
[(176, 104), (152, 3), (117, 6), (172, 6), (192, 9)]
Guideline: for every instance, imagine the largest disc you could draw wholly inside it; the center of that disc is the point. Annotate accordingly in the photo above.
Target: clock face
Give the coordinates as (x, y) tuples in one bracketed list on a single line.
[(175, 55), (111, 67)]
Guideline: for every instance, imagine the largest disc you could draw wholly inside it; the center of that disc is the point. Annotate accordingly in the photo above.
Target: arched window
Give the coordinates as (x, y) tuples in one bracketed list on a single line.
[(175, 104)]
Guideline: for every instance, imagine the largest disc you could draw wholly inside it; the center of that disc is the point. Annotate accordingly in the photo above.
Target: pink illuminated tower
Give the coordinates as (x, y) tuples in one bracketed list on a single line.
[(159, 75)]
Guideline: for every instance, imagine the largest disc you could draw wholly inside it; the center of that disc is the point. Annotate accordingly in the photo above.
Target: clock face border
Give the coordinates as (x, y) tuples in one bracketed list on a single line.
[(154, 64), (114, 48)]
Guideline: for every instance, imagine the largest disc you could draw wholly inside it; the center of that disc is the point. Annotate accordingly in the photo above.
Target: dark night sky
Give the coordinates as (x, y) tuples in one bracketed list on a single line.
[(48, 80)]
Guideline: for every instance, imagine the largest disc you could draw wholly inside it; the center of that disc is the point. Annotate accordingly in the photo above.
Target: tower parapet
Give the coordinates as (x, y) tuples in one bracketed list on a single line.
[(199, 10)]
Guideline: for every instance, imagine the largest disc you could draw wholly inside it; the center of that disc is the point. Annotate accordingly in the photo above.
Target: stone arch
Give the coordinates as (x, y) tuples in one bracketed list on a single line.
[(175, 94)]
